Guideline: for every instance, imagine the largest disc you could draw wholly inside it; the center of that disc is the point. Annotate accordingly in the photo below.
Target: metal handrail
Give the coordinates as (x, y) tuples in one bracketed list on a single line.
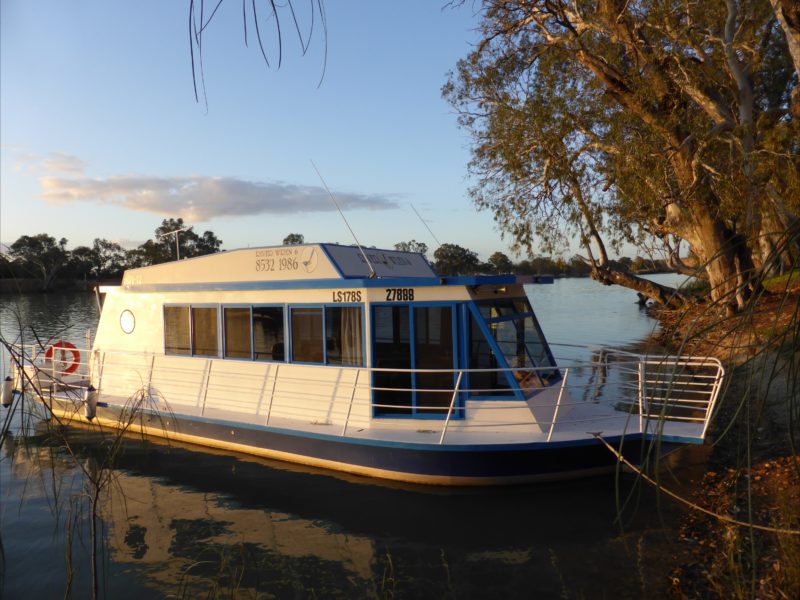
[(660, 387)]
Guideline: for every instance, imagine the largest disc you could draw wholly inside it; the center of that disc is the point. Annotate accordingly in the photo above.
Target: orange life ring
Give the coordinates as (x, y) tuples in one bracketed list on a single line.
[(63, 345)]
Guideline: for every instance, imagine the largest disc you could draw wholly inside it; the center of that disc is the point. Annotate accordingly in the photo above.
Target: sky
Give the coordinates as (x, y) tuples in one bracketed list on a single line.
[(101, 135)]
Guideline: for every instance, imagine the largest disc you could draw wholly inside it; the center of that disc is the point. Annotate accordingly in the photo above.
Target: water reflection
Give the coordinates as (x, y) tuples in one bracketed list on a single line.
[(186, 522)]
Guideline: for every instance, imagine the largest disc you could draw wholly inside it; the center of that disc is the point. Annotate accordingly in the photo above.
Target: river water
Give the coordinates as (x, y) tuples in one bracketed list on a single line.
[(179, 521)]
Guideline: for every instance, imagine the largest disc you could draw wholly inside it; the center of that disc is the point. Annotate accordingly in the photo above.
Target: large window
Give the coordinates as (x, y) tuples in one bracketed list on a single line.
[(238, 338), (204, 331), (307, 335), (268, 340), (177, 330), (329, 335), (419, 338), (489, 383), (332, 335), (191, 330), (343, 336), (514, 328), (391, 346), (433, 349)]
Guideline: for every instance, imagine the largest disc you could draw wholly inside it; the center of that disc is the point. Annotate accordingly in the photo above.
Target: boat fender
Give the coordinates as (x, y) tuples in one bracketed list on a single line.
[(90, 402), (70, 366), (7, 393)]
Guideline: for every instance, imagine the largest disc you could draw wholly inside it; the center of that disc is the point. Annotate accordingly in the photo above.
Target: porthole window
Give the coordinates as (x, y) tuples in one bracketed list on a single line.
[(127, 321)]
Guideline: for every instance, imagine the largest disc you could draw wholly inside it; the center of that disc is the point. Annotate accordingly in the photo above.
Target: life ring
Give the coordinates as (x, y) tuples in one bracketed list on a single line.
[(64, 346)]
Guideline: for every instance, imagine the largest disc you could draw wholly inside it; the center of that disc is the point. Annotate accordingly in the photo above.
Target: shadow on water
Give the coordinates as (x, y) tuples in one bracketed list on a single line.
[(182, 521)]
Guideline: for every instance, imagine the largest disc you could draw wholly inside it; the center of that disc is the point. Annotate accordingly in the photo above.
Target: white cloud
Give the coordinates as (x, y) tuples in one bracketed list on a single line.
[(54, 162), (59, 162), (200, 198)]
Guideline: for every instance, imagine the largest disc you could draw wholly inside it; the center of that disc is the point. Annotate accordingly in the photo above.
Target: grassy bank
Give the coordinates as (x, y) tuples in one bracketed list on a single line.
[(753, 473)]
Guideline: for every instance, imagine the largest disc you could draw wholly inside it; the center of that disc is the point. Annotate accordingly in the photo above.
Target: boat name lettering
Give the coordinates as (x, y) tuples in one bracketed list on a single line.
[(346, 295), (399, 294)]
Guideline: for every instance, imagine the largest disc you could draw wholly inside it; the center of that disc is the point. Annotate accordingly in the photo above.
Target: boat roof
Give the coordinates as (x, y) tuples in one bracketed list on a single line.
[(305, 265)]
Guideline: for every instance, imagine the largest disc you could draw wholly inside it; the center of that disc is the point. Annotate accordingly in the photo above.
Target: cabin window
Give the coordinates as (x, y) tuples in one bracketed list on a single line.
[(330, 335), (238, 338), (204, 331), (433, 349), (343, 336), (514, 328), (177, 330), (268, 340), (481, 356), (418, 337), (392, 350), (307, 335)]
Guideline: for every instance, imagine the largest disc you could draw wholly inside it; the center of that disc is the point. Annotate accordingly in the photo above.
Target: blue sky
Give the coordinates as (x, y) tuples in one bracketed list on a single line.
[(101, 135)]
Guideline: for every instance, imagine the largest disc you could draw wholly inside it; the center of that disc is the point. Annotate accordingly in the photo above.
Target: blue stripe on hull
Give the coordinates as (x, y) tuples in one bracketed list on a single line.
[(496, 462)]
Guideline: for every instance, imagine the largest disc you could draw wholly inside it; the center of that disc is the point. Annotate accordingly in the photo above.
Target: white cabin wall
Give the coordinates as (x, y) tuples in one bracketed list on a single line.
[(148, 333), (311, 393)]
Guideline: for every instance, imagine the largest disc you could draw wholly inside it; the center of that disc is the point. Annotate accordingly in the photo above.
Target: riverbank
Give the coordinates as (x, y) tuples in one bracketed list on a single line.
[(753, 470)]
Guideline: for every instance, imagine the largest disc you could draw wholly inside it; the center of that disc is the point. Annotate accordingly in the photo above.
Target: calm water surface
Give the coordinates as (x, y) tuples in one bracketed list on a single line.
[(182, 522)]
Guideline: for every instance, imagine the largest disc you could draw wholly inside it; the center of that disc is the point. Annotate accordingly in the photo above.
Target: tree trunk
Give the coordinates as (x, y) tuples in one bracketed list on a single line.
[(727, 259), (602, 270), (722, 251), (666, 296)]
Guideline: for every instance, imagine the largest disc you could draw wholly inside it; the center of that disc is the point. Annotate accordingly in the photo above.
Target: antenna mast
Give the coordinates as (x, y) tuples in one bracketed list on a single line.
[(372, 274), (426, 225), (176, 232)]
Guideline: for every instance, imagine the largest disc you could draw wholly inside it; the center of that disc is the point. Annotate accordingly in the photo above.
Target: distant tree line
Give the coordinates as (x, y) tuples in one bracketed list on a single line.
[(47, 259), (451, 259)]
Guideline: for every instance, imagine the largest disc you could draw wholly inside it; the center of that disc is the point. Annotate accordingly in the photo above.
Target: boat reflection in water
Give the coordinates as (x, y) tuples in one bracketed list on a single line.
[(182, 522)]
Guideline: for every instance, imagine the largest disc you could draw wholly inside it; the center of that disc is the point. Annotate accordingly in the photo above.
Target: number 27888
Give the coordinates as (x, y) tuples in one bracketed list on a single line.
[(399, 294)]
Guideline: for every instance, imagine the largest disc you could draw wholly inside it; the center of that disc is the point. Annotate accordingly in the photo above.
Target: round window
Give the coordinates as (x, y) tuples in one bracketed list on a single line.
[(127, 321)]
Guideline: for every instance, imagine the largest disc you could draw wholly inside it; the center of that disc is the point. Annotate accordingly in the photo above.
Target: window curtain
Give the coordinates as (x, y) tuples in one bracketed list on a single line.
[(352, 351)]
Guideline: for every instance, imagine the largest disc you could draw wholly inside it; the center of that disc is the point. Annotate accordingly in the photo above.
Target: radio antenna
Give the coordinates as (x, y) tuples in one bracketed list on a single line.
[(426, 225), (176, 233), (372, 274)]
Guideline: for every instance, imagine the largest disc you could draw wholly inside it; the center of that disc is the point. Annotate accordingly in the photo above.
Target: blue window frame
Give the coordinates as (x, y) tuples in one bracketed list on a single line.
[(327, 334), (269, 332), (408, 339), (481, 352), (253, 332), (511, 326)]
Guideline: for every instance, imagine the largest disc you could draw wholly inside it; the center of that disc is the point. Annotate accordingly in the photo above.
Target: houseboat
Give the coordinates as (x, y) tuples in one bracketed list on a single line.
[(364, 361)]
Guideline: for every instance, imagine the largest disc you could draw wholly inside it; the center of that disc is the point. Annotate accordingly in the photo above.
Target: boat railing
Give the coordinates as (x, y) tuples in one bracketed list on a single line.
[(642, 390)]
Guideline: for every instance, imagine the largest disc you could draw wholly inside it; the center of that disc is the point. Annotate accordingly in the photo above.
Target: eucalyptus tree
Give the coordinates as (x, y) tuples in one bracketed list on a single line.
[(500, 263), (412, 246), (452, 259), (164, 247), (41, 255), (618, 120), (294, 239), (190, 243)]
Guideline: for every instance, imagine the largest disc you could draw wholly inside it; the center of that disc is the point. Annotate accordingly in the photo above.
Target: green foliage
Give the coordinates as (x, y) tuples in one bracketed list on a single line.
[(412, 246), (189, 242), (452, 259), (41, 256), (294, 239), (626, 121), (500, 263), (163, 248)]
